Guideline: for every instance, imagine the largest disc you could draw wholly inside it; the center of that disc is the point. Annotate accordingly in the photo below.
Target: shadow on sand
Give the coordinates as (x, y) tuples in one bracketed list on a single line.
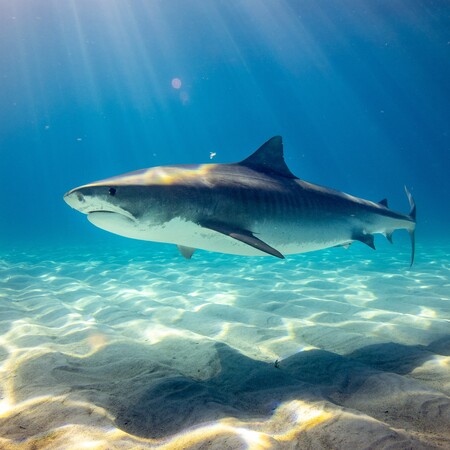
[(153, 397)]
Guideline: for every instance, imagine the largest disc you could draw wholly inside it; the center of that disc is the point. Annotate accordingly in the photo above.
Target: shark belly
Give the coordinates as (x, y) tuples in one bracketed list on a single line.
[(176, 231), (288, 238)]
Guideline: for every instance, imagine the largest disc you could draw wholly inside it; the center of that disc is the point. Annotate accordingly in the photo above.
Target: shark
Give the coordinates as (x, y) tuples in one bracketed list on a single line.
[(254, 207)]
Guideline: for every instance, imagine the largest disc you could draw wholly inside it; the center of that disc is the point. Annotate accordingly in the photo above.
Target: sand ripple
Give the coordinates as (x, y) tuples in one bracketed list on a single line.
[(137, 349)]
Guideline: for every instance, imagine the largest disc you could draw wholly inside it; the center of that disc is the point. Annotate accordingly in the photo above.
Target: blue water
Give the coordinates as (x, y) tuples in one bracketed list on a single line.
[(358, 90), (100, 334)]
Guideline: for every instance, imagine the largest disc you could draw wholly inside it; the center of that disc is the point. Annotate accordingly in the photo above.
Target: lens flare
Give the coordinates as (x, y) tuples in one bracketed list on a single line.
[(176, 83)]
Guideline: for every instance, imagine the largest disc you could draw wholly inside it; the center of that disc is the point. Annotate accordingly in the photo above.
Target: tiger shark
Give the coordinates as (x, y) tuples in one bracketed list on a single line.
[(254, 207)]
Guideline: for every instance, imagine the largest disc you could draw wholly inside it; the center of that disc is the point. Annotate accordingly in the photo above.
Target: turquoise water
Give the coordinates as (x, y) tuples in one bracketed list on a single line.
[(111, 343), (112, 348)]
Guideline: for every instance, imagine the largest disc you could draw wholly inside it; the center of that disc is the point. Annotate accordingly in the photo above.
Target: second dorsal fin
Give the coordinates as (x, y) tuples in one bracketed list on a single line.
[(269, 158)]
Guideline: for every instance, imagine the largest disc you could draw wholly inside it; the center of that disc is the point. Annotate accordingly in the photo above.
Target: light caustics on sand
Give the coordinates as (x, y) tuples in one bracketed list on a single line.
[(139, 356)]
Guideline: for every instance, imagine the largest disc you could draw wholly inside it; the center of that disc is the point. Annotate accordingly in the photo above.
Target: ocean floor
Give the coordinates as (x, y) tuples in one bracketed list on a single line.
[(138, 348)]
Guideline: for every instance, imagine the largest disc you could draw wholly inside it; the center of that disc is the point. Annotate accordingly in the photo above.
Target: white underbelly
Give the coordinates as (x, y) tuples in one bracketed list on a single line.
[(189, 234)]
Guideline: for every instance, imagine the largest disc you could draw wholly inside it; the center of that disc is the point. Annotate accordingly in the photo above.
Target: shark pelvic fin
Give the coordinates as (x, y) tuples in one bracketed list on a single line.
[(186, 252), (244, 236), (384, 202), (269, 158), (388, 235), (365, 239)]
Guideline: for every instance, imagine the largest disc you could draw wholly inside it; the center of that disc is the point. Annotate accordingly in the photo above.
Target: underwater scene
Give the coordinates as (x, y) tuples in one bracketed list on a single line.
[(224, 224)]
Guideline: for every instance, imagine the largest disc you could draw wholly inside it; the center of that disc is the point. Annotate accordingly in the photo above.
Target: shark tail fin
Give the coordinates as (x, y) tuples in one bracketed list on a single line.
[(411, 231)]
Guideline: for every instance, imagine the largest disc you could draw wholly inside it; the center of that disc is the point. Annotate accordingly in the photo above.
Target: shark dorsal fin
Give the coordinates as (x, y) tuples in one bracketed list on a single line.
[(269, 158)]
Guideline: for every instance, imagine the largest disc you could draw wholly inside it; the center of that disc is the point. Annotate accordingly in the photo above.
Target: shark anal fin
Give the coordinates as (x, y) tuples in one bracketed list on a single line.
[(389, 236), (187, 252), (365, 239), (244, 236)]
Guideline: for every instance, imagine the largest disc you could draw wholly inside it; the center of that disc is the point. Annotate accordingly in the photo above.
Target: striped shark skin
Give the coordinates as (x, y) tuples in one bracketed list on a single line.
[(255, 207)]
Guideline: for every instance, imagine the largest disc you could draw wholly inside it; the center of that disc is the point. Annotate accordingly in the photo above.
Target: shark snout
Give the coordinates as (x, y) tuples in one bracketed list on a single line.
[(83, 201), (74, 199), (89, 203), (78, 200)]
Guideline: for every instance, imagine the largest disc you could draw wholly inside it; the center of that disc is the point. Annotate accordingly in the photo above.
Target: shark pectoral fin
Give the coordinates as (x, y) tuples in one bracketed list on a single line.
[(187, 252), (365, 239), (244, 236), (256, 243)]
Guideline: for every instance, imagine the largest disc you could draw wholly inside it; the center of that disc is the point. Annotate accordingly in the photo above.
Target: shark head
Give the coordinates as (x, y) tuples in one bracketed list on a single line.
[(139, 204), (117, 204)]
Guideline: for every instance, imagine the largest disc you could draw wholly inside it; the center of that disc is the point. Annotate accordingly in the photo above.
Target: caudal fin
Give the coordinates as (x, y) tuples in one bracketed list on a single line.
[(412, 215)]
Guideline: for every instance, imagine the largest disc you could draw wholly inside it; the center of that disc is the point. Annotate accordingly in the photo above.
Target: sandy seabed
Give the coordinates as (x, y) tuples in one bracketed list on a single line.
[(138, 349)]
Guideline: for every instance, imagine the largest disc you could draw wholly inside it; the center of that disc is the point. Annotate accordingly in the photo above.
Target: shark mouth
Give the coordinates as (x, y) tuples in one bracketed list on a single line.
[(112, 221), (106, 211), (117, 211)]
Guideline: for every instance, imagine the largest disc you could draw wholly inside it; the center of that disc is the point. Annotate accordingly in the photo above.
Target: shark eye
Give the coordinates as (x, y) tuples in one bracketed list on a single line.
[(112, 191)]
